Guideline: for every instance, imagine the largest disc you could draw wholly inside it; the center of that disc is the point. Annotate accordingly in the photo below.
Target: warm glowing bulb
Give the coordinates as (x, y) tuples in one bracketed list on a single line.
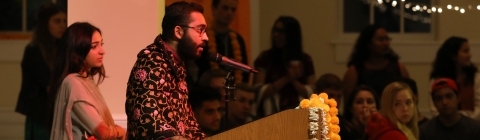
[(462, 10), (478, 7), (417, 7), (424, 7), (407, 5), (429, 11), (434, 9), (380, 1), (456, 8), (449, 6), (394, 3), (439, 10)]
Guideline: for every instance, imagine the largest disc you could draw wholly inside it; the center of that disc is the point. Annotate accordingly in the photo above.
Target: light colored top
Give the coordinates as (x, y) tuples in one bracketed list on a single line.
[(79, 109)]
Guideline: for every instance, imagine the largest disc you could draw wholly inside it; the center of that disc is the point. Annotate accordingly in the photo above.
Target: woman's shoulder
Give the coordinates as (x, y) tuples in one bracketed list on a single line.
[(71, 79)]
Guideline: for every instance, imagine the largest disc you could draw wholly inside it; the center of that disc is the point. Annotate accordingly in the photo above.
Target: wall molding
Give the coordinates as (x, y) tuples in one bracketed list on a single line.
[(12, 123), (410, 52), (12, 50)]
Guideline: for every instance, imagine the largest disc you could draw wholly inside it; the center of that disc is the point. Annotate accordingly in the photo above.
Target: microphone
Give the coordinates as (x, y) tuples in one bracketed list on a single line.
[(215, 57)]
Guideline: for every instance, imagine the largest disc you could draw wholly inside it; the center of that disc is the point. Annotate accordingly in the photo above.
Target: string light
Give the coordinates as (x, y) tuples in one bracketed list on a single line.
[(394, 3), (416, 7)]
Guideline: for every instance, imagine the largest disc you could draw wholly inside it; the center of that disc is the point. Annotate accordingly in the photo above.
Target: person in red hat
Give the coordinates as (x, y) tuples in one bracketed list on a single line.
[(450, 123)]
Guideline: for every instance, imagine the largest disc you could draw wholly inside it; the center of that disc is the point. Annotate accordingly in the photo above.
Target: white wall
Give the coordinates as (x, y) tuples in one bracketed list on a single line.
[(127, 27)]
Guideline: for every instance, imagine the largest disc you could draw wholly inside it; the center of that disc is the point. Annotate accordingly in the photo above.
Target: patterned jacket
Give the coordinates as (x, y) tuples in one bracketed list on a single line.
[(157, 97)]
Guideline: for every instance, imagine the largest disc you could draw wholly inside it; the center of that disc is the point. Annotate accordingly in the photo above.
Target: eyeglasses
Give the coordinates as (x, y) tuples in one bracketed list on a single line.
[(200, 30)]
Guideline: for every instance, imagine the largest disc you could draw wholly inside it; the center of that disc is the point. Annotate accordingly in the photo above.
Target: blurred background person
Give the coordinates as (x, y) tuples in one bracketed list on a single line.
[(37, 65)]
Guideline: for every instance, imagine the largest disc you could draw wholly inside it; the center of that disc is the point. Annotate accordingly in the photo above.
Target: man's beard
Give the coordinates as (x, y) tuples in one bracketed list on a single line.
[(187, 49)]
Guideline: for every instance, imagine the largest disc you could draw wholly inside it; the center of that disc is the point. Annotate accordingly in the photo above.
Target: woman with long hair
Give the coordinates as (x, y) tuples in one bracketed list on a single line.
[(285, 71), (36, 67), (80, 109), (397, 119), (355, 117), (373, 62), (453, 61)]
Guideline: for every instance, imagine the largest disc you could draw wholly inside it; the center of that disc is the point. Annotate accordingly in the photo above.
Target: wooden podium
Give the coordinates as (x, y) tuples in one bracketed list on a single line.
[(292, 124)]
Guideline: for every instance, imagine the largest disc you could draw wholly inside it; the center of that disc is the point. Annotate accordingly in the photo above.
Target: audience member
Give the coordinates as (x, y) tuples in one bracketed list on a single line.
[(450, 124), (37, 65), (453, 61), (286, 72), (373, 62), (206, 106)]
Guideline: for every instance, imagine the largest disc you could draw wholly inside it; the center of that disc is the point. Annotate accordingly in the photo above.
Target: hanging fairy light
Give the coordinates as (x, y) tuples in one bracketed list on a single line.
[(478, 7), (434, 9), (462, 10), (380, 1), (439, 10), (407, 5), (456, 8), (394, 3), (449, 6)]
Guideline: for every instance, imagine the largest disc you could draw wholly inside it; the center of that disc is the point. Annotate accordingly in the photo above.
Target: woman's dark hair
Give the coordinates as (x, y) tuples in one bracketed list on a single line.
[(347, 113), (293, 49), (41, 33), (445, 64), (73, 48), (361, 49)]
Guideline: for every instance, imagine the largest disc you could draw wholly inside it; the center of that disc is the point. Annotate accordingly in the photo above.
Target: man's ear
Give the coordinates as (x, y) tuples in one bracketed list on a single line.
[(178, 32)]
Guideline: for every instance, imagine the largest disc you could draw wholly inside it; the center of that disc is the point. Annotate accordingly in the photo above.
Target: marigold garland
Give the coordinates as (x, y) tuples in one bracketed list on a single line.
[(237, 53), (329, 112)]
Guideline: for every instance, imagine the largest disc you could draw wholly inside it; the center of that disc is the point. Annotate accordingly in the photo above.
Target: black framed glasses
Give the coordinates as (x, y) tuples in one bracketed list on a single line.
[(199, 29)]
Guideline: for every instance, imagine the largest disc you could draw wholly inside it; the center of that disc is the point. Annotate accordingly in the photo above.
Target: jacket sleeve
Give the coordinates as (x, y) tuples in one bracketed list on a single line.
[(145, 116)]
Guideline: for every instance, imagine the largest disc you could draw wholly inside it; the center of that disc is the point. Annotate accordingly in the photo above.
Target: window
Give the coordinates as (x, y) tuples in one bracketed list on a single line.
[(399, 17), (18, 16)]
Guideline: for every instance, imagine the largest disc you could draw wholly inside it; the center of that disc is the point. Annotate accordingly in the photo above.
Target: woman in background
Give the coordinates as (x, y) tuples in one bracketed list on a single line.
[(397, 119), (355, 117), (36, 70), (373, 62), (80, 110), (453, 61), (285, 71)]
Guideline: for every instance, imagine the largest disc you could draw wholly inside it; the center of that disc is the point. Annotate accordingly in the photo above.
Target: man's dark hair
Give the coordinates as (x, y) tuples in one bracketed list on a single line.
[(245, 87), (178, 14), (215, 3), (208, 75), (412, 84), (328, 81), (200, 94)]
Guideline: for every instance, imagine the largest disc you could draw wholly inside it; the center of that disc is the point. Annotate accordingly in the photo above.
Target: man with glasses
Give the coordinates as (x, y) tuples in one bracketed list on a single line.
[(223, 40), (157, 96)]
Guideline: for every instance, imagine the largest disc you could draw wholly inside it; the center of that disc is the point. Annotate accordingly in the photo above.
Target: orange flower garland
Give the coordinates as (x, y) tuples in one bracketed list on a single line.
[(237, 53), (330, 112)]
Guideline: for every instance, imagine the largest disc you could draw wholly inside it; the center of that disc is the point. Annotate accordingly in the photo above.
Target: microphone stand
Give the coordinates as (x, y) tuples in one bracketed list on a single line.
[(229, 86)]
